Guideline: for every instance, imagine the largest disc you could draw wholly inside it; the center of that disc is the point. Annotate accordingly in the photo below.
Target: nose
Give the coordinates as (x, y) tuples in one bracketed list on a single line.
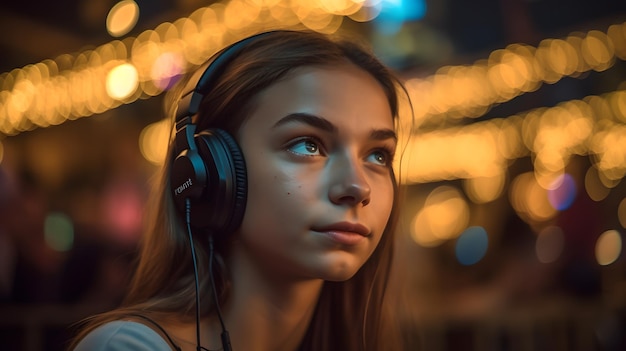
[(349, 183)]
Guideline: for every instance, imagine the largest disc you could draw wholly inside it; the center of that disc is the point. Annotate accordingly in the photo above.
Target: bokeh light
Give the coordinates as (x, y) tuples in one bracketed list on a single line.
[(444, 215), (394, 13), (153, 141), (484, 189), (621, 212), (59, 231), (122, 18), (166, 69), (529, 199), (549, 244), (563, 192), (122, 205), (471, 131), (608, 247), (471, 246), (122, 81), (595, 188), (455, 153), (597, 50)]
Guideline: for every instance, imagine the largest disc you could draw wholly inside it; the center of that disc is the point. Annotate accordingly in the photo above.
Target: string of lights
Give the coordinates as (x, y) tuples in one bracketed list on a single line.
[(121, 71), (442, 145)]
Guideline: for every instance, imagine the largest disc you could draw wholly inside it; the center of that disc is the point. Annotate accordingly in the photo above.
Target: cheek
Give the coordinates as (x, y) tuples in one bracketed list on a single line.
[(382, 208), (274, 194)]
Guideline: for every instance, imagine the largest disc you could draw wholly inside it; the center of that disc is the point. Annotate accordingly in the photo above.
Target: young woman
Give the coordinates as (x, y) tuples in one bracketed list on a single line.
[(294, 215)]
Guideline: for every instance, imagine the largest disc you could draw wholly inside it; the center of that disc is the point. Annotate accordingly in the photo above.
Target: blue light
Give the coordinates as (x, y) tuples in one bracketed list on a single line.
[(472, 245), (394, 13), (562, 196)]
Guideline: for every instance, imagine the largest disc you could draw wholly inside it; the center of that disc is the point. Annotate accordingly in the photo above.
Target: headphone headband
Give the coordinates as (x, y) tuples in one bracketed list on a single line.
[(209, 168), (203, 79)]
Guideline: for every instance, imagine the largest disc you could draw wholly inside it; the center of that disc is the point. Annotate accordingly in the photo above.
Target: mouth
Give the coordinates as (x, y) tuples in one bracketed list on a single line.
[(345, 233), (345, 227)]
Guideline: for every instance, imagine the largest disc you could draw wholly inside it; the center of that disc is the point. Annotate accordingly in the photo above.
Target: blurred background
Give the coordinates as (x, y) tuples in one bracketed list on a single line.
[(512, 234)]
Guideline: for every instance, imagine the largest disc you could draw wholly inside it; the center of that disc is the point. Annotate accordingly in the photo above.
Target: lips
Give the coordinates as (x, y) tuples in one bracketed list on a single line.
[(345, 227)]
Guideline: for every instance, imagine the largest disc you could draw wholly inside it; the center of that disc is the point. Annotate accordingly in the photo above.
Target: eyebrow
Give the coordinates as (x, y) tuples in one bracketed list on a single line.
[(325, 125), (306, 118)]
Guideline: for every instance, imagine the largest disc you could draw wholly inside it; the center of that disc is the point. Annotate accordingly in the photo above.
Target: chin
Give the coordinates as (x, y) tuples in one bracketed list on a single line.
[(339, 279), (340, 272)]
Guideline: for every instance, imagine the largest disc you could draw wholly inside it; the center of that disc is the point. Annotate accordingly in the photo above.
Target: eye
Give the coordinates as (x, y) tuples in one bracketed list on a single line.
[(381, 157), (307, 147)]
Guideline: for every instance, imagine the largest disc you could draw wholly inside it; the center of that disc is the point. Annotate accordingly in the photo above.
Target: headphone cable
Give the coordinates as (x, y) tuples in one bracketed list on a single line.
[(224, 336), (195, 270)]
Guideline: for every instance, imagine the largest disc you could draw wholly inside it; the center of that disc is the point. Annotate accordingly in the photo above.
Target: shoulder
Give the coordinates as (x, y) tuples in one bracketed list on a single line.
[(123, 335)]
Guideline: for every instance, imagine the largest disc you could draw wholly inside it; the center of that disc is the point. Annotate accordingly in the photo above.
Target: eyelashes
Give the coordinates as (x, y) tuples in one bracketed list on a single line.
[(306, 146), (382, 156), (313, 147)]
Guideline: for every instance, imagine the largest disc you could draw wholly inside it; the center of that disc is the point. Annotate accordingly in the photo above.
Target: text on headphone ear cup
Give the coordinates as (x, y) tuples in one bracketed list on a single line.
[(189, 177)]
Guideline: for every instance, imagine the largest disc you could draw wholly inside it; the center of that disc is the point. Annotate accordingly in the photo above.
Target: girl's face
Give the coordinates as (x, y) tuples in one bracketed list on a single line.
[(318, 148)]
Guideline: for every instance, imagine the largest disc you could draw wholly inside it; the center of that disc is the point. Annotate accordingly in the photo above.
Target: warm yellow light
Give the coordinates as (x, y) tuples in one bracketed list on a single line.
[(122, 81), (239, 14), (484, 189), (597, 50), (453, 154), (447, 212), (617, 101), (317, 19), (617, 35), (509, 72), (368, 11), (608, 247), (607, 149), (508, 138), (340, 7), (187, 30), (421, 232), (539, 207), (443, 217), (621, 212), (122, 18), (529, 199), (562, 57), (153, 141), (594, 187), (166, 31)]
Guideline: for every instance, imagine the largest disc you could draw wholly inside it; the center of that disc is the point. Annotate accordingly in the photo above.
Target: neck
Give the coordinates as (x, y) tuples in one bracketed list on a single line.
[(266, 311)]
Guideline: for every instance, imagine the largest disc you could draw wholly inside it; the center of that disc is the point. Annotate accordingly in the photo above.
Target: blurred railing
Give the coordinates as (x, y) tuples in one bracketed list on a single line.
[(41, 327), (550, 325)]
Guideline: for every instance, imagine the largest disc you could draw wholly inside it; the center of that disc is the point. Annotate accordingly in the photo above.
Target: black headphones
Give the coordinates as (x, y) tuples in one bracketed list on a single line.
[(209, 168)]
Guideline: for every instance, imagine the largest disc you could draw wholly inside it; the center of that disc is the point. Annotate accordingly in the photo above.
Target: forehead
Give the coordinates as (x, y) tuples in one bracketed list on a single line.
[(343, 94)]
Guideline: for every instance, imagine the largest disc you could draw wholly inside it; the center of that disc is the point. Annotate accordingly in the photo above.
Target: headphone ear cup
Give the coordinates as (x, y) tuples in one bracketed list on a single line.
[(188, 177), (221, 207)]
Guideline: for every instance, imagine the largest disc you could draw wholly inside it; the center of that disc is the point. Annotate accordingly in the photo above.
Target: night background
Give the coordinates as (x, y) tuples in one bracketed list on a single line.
[(512, 236)]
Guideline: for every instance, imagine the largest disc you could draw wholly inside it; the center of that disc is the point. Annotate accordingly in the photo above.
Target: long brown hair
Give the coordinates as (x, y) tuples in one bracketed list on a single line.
[(349, 314)]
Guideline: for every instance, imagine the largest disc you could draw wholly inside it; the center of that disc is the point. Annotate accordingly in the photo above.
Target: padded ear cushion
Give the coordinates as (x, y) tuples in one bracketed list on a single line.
[(221, 207)]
